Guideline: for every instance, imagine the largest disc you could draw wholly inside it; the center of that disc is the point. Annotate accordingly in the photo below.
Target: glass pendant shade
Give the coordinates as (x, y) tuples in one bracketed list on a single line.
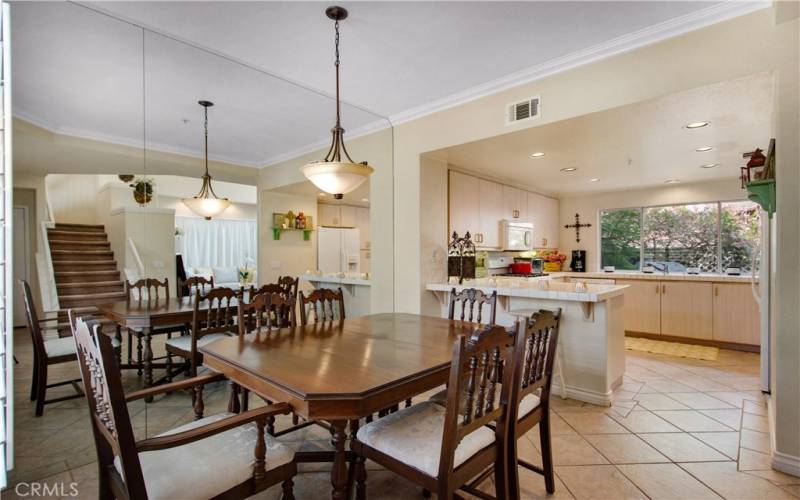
[(206, 204), (337, 177), (337, 173)]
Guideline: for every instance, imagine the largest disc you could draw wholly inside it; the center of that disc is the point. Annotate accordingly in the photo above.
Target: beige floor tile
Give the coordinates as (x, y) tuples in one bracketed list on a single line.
[(755, 408), (665, 386), (754, 422), (659, 402), (792, 489), (724, 479), (592, 423), (725, 442), (598, 482), (756, 441), (666, 481), (736, 398), (776, 477), (531, 487), (692, 421), (699, 401), (575, 450), (731, 418), (703, 383), (644, 421), (754, 460), (625, 449), (683, 447)]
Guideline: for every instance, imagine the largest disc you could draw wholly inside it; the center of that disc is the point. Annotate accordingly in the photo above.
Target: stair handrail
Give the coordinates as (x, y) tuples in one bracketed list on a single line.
[(136, 257), (46, 270)]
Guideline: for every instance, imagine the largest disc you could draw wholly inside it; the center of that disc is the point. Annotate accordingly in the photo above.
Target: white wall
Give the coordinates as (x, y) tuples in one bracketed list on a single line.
[(290, 255), (590, 205)]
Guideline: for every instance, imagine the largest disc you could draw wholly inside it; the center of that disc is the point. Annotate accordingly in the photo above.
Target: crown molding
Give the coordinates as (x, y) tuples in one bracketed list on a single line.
[(674, 27)]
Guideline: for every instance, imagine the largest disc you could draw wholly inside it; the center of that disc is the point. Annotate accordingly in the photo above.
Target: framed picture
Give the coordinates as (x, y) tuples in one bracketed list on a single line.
[(278, 220)]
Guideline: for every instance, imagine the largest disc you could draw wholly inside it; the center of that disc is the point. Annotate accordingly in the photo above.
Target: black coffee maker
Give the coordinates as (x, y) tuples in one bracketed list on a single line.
[(578, 262)]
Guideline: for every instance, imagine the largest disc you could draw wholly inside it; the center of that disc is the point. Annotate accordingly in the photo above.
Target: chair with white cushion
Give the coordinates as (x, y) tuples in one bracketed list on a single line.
[(222, 456), (443, 448), (48, 351), (536, 341), (216, 321)]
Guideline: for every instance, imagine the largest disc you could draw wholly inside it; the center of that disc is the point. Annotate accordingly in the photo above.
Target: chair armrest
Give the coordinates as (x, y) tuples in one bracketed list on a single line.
[(192, 435), (174, 386)]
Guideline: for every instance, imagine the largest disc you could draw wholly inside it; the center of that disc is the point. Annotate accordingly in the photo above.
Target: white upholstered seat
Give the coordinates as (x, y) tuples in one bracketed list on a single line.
[(184, 342), (62, 346), (527, 405), (208, 467), (414, 436)]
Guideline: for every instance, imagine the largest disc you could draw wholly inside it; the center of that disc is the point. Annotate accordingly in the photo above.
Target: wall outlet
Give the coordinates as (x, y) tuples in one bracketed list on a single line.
[(274, 264)]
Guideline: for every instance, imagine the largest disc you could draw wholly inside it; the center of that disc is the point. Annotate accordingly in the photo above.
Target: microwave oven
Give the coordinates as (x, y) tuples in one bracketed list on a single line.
[(517, 236)]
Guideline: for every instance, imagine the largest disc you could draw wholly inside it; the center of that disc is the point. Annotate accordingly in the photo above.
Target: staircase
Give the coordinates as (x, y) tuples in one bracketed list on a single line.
[(85, 270)]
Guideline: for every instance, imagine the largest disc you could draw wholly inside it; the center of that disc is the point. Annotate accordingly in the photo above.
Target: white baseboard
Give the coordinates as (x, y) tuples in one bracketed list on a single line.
[(788, 464), (593, 397)]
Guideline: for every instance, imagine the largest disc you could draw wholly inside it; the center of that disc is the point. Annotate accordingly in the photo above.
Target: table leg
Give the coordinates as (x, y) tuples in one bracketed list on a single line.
[(339, 470), (147, 360)]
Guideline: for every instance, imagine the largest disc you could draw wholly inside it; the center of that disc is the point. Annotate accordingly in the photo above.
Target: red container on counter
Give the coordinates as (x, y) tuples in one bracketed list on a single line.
[(521, 268)]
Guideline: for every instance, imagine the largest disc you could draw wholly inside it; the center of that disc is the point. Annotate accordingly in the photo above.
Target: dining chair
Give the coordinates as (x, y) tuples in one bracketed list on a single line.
[(288, 316), (149, 290), (324, 304), (473, 435), (265, 312), (221, 456), (469, 298), (216, 321), (47, 352), (194, 283), (536, 342), (292, 287)]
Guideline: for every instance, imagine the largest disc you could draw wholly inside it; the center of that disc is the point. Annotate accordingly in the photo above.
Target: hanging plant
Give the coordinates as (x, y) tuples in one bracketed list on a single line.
[(143, 190)]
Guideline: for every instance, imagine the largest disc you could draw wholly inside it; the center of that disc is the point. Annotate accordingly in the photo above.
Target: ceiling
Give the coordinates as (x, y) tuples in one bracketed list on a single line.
[(634, 146), (356, 198), (80, 72)]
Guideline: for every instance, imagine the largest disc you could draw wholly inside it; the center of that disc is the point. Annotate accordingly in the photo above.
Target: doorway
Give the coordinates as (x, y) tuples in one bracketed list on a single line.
[(22, 258)]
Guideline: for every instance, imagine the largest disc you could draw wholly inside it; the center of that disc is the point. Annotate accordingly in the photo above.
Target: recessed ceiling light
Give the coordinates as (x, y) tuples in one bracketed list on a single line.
[(569, 169), (365, 200), (704, 149), (672, 181), (594, 179), (538, 154), (696, 125), (709, 165)]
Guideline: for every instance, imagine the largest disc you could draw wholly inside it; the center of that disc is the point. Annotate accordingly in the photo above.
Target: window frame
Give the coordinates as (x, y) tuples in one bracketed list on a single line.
[(641, 209)]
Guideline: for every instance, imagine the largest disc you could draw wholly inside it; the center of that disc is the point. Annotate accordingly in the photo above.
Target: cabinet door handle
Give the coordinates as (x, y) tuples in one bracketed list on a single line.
[(516, 214), (657, 288), (664, 289), (544, 242), (716, 291)]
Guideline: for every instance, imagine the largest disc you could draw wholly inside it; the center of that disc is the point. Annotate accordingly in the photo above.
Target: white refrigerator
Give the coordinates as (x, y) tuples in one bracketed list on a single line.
[(338, 250)]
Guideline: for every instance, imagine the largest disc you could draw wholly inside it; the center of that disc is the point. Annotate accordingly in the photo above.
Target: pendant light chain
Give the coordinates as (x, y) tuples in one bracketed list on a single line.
[(337, 145)]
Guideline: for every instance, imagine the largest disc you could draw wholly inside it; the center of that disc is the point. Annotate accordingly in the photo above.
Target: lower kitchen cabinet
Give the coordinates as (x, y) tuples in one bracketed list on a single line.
[(736, 314), (686, 309), (642, 306)]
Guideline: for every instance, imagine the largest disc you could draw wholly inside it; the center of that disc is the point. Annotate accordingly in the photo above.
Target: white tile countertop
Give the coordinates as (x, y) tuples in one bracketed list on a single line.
[(657, 276), (536, 288), (314, 278)]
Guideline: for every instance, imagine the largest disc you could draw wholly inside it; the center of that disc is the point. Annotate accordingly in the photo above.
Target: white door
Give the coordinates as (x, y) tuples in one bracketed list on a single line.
[(22, 260)]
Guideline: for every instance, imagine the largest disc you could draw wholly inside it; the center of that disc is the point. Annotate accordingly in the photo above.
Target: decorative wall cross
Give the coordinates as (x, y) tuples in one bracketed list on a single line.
[(577, 227)]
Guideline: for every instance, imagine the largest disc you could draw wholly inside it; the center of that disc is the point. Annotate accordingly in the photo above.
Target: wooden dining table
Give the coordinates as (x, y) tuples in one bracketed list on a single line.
[(341, 371)]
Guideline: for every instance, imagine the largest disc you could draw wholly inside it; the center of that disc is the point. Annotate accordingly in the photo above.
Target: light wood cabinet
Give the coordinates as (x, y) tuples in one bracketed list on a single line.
[(362, 223), (642, 306), (490, 208), (464, 196), (515, 204), (736, 314), (328, 215), (686, 309), (348, 215)]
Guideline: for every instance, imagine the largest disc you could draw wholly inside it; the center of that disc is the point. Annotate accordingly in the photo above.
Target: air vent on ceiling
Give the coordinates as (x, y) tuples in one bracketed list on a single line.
[(523, 110)]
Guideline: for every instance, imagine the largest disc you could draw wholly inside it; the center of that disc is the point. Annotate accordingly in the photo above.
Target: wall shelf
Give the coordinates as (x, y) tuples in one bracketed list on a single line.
[(276, 232), (763, 193)]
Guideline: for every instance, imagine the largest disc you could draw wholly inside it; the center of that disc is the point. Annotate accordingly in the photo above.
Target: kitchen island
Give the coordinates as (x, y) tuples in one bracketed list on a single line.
[(591, 332), (356, 291)]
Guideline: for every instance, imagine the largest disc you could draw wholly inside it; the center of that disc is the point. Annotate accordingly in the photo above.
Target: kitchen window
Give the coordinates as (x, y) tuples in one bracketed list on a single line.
[(710, 236)]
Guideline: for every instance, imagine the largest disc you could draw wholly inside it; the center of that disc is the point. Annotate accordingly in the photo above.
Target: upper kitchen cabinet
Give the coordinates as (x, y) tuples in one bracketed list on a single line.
[(362, 223), (337, 215), (464, 196), (543, 213), (515, 204), (490, 207)]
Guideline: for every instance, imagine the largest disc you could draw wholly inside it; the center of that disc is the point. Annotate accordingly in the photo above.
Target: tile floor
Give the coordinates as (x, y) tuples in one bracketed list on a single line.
[(678, 428)]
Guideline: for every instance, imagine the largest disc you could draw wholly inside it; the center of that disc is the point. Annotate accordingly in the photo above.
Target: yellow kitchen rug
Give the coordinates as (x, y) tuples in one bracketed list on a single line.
[(672, 348)]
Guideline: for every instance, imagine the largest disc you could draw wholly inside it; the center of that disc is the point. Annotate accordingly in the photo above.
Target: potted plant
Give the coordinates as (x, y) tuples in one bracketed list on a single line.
[(143, 190)]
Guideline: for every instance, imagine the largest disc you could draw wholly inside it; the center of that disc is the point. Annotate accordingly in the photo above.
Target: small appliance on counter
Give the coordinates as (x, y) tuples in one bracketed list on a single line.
[(609, 269), (733, 271), (648, 269), (537, 265), (578, 262), (692, 270)]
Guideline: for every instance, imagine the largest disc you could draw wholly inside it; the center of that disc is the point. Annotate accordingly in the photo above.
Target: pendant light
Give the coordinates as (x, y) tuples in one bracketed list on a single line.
[(206, 204), (332, 174)]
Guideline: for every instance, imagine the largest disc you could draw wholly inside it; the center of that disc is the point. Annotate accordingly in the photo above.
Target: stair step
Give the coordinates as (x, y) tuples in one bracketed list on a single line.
[(79, 245), (76, 235), (90, 287), (84, 255), (86, 276), (89, 299), (81, 228), (84, 265)]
